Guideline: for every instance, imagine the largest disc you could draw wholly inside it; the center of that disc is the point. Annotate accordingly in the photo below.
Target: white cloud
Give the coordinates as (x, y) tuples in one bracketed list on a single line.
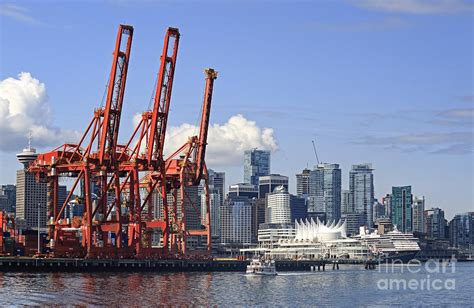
[(24, 107), (438, 143), (416, 6), (226, 142), (18, 13)]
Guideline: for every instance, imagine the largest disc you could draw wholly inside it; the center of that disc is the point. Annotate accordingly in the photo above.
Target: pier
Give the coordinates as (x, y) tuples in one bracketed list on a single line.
[(25, 264)]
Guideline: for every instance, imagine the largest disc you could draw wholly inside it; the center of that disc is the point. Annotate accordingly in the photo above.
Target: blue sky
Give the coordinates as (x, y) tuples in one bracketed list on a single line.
[(386, 82)]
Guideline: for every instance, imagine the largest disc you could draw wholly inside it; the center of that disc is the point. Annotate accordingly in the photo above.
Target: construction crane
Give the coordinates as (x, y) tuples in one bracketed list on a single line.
[(315, 153)]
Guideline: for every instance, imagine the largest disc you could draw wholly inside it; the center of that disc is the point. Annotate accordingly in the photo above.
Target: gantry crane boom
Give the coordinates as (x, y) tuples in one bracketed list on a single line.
[(115, 91), (211, 75), (162, 99)]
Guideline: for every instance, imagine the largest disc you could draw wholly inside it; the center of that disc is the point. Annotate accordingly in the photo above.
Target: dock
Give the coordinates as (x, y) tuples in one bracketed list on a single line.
[(26, 264)]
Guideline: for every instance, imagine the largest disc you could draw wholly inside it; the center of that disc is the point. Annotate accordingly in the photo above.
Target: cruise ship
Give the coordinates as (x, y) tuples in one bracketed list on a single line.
[(391, 246)]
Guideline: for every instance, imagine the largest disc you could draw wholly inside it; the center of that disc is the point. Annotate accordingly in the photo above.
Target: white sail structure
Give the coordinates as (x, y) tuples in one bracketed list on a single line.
[(311, 231)]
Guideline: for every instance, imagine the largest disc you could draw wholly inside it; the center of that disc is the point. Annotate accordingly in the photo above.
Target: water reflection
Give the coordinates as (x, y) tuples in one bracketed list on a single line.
[(349, 286)]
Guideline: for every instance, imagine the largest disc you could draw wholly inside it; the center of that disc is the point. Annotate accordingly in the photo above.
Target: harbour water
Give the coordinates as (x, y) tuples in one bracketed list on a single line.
[(350, 286)]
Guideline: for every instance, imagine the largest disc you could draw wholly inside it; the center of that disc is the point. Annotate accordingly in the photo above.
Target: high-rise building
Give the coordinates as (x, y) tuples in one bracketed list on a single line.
[(256, 164), (435, 223), (268, 183), (461, 231), (400, 203), (361, 188), (217, 182), (192, 210), (7, 198), (243, 190), (214, 209), (302, 183), (387, 203), (236, 221), (278, 206), (325, 192), (298, 207), (345, 195), (378, 210), (31, 196), (353, 222), (419, 215), (258, 216)]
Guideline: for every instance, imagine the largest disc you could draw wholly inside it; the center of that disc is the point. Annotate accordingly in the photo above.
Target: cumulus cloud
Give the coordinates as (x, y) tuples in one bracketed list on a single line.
[(23, 108), (226, 142), (416, 6)]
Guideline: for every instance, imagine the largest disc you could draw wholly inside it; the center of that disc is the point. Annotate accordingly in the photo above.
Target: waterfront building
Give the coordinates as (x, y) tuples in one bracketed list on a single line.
[(278, 206), (268, 183), (256, 164), (361, 189), (30, 194), (269, 235), (461, 231), (302, 183), (8, 198), (345, 195), (435, 224), (312, 240), (236, 221), (243, 190), (325, 192), (401, 211), (419, 215)]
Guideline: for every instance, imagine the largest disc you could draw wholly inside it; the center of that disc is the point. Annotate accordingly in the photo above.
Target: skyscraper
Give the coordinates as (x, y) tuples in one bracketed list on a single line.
[(268, 183), (217, 181), (461, 231), (256, 164), (325, 192), (278, 206), (361, 188), (387, 203), (378, 210), (345, 195), (435, 224), (302, 183), (243, 190), (30, 195), (418, 215), (8, 198), (236, 221), (401, 214)]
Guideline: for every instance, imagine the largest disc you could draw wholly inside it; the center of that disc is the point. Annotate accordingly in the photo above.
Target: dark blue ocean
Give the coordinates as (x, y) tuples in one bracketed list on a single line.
[(350, 286)]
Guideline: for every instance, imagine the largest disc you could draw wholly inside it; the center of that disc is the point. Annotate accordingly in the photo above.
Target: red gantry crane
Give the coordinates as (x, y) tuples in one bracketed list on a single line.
[(97, 171), (120, 216), (187, 167), (147, 155)]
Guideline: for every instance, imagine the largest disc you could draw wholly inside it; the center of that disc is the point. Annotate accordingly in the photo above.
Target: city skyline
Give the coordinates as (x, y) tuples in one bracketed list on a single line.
[(419, 136)]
